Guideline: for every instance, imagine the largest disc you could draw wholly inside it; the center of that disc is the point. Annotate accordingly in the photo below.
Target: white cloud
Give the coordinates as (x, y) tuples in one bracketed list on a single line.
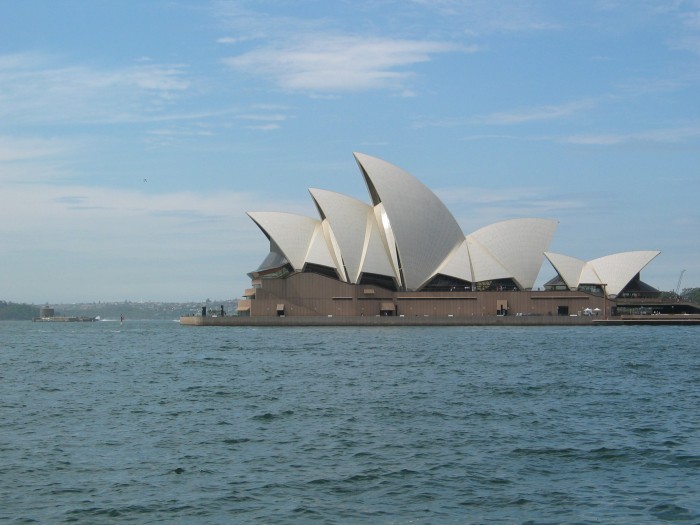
[(489, 16), (661, 136), (172, 132), (479, 203), (688, 43), (38, 90), (82, 243), (539, 113), (340, 63), (691, 20), (514, 117), (264, 127), (263, 117), (227, 40), (14, 149)]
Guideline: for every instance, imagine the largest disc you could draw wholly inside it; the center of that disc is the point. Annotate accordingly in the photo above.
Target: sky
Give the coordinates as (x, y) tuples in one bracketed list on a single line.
[(135, 136)]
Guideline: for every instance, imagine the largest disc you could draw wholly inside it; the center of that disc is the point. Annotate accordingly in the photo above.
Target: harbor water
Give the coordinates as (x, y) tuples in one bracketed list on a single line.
[(157, 423)]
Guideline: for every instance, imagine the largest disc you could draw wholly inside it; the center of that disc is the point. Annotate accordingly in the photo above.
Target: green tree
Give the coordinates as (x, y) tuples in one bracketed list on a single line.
[(691, 294), (17, 312)]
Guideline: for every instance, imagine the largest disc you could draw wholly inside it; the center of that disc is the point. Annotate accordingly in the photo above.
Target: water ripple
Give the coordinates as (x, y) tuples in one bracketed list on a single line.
[(156, 423)]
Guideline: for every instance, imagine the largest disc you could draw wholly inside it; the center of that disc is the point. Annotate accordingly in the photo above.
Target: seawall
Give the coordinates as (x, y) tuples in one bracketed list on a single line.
[(438, 321), (386, 321)]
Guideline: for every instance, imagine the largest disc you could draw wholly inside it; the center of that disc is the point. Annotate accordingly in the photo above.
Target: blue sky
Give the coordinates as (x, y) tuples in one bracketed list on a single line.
[(135, 135)]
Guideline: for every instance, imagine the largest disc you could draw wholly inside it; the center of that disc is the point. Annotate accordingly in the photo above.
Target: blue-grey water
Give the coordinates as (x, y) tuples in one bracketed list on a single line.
[(153, 422)]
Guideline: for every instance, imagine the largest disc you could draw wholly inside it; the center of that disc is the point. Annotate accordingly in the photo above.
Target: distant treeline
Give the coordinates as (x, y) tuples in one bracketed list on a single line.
[(114, 310), (691, 294), (17, 311), (687, 294), (141, 310)]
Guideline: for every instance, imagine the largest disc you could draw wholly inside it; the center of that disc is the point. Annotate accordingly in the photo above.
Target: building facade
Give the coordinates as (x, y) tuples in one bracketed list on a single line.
[(404, 254)]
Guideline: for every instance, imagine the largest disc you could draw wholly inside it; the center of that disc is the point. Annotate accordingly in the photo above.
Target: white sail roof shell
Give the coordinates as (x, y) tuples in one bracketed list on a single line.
[(485, 267), (375, 255), (457, 263), (614, 271), (332, 245), (425, 231), (617, 270), (568, 268), (319, 250), (517, 245), (293, 234), (407, 223), (589, 275), (355, 230)]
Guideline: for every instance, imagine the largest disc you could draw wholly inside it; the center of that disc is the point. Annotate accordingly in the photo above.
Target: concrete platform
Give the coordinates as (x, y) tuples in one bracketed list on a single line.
[(387, 321), (438, 321), (653, 320)]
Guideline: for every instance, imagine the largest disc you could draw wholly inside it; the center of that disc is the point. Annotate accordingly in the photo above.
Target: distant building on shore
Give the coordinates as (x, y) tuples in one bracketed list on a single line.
[(47, 314)]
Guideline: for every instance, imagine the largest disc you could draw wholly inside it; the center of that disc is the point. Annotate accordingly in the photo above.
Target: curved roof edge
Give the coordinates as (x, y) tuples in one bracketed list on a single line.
[(568, 268), (613, 272), (319, 251), (425, 231), (292, 233), (457, 264), (349, 221), (618, 269), (484, 266), (518, 245)]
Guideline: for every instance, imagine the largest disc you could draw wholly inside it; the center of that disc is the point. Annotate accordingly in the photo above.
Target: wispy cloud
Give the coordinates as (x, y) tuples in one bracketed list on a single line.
[(108, 213), (678, 135), (265, 117), (515, 117), (691, 20), (264, 127), (539, 113), (673, 135), (475, 207), (688, 37), (340, 63), (228, 40), (312, 55), (493, 16), (536, 201), (14, 149), (86, 232), (37, 90), (264, 121)]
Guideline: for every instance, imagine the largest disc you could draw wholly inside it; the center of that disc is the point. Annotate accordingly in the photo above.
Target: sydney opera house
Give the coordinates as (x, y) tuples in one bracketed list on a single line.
[(402, 253)]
